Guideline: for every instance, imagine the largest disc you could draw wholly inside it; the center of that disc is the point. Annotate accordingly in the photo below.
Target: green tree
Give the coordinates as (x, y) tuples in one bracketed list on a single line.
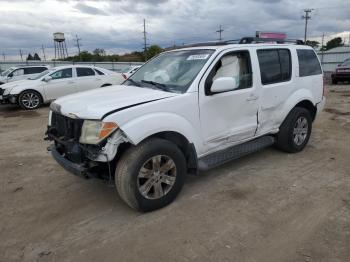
[(36, 57), (30, 57), (313, 44), (153, 50), (333, 43)]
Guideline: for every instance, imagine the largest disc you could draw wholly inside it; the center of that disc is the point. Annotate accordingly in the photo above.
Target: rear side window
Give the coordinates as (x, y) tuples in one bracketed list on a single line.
[(34, 70), (99, 72), (308, 63), (275, 65), (85, 71)]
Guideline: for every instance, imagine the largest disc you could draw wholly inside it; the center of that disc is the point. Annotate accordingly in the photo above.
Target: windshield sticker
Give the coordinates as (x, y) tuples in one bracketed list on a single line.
[(198, 57)]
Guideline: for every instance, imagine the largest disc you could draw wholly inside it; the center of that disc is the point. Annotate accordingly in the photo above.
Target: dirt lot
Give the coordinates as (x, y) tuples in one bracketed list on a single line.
[(269, 206)]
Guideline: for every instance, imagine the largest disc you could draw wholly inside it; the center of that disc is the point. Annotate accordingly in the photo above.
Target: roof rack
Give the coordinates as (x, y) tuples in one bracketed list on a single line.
[(244, 40)]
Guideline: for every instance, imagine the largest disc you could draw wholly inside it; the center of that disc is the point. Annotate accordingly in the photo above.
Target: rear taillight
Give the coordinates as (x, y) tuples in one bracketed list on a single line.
[(125, 77)]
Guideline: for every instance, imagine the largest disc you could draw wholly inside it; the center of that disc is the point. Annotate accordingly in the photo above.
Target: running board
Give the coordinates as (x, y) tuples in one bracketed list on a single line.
[(226, 155)]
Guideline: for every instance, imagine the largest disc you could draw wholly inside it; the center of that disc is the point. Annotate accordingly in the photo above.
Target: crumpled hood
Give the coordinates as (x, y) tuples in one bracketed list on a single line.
[(9, 86), (96, 103)]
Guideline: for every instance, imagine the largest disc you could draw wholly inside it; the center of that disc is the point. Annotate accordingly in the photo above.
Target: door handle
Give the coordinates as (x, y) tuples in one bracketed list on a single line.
[(252, 98)]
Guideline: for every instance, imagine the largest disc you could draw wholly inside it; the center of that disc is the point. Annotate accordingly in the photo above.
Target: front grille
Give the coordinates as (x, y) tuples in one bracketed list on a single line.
[(66, 128)]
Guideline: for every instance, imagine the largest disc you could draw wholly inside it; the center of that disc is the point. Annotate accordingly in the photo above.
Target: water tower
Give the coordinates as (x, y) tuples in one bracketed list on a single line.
[(60, 46)]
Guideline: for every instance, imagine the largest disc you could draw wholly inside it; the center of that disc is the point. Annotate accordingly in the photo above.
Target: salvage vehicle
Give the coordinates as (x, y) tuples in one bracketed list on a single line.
[(51, 84), (21, 72), (188, 110), (341, 73)]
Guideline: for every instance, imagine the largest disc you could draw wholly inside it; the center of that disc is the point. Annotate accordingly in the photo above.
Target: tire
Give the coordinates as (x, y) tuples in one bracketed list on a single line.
[(293, 136), (152, 188), (334, 81), (30, 100)]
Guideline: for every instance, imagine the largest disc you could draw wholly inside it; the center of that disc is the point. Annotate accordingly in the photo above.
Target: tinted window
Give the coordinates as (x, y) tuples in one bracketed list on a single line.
[(308, 63), (34, 70), (275, 65), (85, 71), (99, 72), (64, 73)]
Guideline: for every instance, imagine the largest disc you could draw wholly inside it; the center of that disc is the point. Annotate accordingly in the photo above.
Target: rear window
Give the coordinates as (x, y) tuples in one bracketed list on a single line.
[(275, 65), (85, 71), (308, 63), (34, 70)]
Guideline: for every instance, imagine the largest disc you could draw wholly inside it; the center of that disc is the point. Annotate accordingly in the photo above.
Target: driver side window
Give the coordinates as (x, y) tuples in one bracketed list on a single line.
[(18, 72), (64, 73), (236, 65)]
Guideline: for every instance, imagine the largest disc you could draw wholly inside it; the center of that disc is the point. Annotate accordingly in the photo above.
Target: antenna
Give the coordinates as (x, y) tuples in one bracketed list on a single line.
[(220, 32), (306, 17)]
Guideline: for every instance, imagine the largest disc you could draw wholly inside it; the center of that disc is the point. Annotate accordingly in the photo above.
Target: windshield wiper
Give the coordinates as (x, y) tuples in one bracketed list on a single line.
[(133, 82), (156, 84)]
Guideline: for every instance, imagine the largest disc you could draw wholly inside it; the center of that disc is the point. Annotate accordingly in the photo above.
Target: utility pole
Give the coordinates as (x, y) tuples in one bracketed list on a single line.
[(3, 55), (220, 32), (43, 49), (145, 39), (78, 45), (322, 49), (306, 17), (20, 53)]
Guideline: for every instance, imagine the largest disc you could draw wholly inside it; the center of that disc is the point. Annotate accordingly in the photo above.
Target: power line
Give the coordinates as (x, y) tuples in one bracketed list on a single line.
[(144, 39), (306, 17), (220, 32)]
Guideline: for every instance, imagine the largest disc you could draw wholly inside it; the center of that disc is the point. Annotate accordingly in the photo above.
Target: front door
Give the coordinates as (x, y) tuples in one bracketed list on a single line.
[(231, 116), (61, 84)]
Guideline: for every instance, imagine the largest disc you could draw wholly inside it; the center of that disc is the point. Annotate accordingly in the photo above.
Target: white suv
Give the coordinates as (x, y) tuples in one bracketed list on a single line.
[(188, 110)]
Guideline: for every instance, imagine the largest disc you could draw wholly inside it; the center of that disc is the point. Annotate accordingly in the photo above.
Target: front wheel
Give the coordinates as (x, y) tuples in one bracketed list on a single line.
[(150, 176), (29, 100), (295, 131)]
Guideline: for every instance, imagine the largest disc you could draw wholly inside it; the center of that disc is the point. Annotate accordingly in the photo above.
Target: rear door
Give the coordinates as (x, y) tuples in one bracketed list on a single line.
[(61, 84), (276, 85), (87, 79)]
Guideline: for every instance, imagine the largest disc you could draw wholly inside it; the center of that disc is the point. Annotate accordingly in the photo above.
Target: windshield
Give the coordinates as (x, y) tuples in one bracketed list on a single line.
[(6, 72), (172, 71), (346, 63), (40, 75)]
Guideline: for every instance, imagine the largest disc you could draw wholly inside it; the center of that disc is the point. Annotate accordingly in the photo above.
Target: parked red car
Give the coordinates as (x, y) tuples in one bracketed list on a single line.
[(342, 72)]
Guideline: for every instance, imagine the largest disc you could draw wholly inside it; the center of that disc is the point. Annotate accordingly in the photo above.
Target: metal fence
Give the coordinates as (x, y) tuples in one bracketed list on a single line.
[(330, 60), (114, 66)]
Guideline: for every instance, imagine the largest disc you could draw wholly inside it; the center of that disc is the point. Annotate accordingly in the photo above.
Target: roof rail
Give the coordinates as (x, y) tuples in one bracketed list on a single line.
[(244, 40), (256, 40)]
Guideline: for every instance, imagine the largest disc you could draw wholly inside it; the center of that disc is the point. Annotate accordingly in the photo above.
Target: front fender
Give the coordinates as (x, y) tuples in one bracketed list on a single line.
[(147, 125)]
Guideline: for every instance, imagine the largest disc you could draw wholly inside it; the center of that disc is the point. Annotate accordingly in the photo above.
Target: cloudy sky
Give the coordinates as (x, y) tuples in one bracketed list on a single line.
[(117, 26)]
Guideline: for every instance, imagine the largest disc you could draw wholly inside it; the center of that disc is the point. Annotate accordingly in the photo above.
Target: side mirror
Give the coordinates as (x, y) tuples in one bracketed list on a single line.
[(10, 75), (47, 78), (223, 84)]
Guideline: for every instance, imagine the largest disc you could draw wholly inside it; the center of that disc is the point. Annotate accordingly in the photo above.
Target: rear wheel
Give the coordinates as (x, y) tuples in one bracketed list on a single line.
[(295, 131), (150, 175), (30, 100), (334, 81)]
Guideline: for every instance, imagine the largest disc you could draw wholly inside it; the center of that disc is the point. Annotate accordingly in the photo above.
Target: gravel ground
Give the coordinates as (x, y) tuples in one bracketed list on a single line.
[(269, 206)]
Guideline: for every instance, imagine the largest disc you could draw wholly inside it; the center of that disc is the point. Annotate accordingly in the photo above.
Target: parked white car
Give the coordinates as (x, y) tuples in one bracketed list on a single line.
[(21, 72), (188, 110), (56, 82), (130, 71)]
